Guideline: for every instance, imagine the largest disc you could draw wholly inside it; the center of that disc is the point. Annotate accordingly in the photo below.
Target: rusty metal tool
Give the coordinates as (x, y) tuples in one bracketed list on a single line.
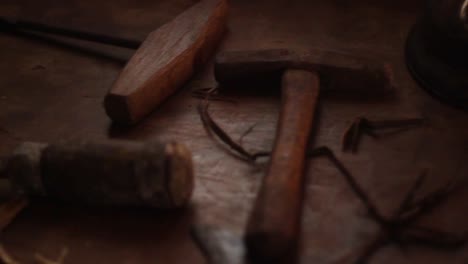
[(165, 61), (274, 222), (155, 175), (19, 25)]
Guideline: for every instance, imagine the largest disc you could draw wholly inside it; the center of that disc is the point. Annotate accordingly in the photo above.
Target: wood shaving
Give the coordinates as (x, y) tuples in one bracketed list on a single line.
[(5, 257), (40, 259), (11, 208)]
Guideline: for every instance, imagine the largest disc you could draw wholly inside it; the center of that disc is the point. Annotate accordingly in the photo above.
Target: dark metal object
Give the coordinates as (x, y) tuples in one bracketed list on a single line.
[(22, 25), (402, 227), (363, 126), (437, 51)]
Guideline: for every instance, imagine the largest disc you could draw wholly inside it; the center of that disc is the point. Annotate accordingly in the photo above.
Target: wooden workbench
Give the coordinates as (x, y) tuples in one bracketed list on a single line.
[(49, 93)]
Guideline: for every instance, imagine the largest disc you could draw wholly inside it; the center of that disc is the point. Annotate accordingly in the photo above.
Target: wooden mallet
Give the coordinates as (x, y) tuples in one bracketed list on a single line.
[(165, 61), (274, 222)]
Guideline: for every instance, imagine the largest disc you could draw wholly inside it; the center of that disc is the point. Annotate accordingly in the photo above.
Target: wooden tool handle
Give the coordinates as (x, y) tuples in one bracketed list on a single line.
[(274, 222), (165, 61), (150, 174)]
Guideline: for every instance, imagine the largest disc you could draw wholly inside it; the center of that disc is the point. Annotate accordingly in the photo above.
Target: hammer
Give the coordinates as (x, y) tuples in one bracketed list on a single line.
[(274, 222)]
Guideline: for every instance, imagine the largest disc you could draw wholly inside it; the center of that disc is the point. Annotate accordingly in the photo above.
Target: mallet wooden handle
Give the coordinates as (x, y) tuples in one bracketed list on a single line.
[(274, 222), (149, 174)]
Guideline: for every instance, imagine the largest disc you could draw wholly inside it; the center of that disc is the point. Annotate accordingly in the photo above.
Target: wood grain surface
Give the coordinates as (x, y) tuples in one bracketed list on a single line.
[(49, 92)]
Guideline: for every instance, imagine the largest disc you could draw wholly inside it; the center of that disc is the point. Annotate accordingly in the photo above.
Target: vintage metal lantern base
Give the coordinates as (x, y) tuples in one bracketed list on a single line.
[(443, 73)]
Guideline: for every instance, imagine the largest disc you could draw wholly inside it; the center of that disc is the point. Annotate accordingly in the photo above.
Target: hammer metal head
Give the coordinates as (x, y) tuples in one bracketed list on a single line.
[(338, 71)]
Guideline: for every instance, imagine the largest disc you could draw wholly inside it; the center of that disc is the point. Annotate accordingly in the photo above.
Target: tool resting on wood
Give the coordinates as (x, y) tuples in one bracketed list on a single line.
[(165, 61), (104, 173), (274, 222)]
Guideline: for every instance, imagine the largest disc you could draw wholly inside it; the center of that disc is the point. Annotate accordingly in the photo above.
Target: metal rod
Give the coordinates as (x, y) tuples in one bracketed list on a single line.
[(7, 24)]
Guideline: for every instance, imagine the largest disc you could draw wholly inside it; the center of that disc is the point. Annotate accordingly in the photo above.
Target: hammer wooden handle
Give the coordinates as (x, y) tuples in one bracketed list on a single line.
[(165, 61), (274, 223)]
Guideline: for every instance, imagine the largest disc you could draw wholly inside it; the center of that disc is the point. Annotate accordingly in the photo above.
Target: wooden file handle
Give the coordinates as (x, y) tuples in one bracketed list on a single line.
[(274, 222), (167, 59)]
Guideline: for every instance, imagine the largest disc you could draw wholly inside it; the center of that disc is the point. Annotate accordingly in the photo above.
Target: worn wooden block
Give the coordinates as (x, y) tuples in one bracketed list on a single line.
[(165, 61), (104, 173)]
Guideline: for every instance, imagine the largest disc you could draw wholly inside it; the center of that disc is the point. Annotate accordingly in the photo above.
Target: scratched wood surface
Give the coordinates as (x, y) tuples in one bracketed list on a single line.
[(48, 93)]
